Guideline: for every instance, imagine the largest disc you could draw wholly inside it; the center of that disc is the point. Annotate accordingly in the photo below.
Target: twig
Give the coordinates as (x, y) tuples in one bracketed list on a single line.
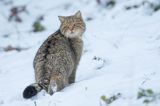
[(35, 104)]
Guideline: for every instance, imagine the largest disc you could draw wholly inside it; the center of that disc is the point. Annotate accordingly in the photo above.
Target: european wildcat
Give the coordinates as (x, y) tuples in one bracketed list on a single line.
[(57, 59)]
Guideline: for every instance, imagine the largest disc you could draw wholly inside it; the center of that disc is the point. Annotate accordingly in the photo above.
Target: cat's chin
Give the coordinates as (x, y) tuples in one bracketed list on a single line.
[(73, 35)]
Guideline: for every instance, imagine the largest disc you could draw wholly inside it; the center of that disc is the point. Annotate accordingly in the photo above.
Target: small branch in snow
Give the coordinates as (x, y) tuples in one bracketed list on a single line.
[(11, 48), (15, 11), (100, 59), (103, 64), (35, 104)]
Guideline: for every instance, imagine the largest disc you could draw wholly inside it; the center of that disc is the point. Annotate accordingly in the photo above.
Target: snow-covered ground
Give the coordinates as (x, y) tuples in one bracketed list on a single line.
[(121, 53)]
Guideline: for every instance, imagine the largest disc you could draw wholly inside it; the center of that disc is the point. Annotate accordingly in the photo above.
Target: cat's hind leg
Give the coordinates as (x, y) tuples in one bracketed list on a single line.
[(52, 87), (57, 83), (72, 77)]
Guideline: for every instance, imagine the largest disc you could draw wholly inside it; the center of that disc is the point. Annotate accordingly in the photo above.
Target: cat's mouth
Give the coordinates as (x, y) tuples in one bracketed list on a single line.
[(72, 34), (72, 31)]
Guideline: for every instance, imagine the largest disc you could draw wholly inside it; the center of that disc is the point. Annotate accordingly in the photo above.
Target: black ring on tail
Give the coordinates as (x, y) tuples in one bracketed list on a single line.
[(29, 92)]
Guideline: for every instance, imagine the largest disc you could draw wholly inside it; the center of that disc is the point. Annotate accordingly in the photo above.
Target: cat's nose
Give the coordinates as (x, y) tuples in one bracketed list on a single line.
[(71, 29)]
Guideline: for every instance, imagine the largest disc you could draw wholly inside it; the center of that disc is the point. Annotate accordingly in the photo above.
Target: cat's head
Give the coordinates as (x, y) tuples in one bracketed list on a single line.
[(72, 26)]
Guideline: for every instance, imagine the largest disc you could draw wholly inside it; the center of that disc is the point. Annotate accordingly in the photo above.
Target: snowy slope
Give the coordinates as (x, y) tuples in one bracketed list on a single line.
[(121, 53)]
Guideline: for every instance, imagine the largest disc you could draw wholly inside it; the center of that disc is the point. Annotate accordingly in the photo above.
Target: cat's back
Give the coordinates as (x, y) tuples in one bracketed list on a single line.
[(54, 51), (54, 43)]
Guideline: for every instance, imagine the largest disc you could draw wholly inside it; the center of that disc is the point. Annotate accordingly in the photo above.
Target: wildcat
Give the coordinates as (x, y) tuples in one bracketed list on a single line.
[(57, 59)]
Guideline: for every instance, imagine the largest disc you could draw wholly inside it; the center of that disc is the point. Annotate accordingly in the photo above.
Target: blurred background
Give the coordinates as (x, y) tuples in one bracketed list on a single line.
[(30, 19), (120, 62)]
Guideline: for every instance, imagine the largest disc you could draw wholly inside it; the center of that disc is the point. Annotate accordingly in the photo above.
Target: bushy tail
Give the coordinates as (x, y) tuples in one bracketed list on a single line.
[(31, 90)]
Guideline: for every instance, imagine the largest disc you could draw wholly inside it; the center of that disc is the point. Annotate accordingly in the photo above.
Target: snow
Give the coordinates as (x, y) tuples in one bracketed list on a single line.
[(121, 53)]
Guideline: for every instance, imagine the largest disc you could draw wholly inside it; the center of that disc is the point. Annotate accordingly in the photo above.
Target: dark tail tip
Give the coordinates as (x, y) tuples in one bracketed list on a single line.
[(29, 92)]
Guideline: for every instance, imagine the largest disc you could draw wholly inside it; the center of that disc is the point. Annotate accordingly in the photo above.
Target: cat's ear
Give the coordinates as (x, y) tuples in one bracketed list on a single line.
[(61, 18), (78, 14)]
